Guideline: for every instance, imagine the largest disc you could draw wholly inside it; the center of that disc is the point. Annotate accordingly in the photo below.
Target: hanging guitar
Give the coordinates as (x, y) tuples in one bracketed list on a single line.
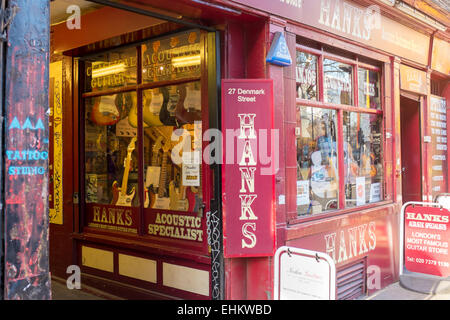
[(189, 108), (171, 99), (104, 111), (162, 200), (152, 189), (177, 197), (120, 195), (153, 102)]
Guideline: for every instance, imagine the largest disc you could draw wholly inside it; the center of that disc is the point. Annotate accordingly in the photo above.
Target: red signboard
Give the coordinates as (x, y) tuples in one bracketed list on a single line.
[(364, 24), (248, 176), (427, 237)]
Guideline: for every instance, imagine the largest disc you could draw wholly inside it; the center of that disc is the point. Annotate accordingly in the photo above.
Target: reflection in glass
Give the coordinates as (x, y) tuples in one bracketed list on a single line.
[(172, 57), (369, 89), (111, 153), (317, 166), (363, 154), (337, 82), (114, 69), (306, 76)]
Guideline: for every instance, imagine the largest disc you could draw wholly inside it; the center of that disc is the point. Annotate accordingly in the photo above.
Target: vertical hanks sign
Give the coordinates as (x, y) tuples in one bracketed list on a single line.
[(248, 173)]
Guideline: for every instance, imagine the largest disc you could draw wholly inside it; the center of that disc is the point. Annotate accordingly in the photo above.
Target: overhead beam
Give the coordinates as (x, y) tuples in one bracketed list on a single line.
[(152, 14)]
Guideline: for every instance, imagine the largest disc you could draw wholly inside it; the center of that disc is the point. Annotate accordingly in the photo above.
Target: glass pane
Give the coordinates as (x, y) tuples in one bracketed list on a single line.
[(337, 82), (171, 105), (369, 89), (173, 57), (111, 152), (172, 122), (173, 167), (306, 76), (363, 154), (113, 69), (317, 166)]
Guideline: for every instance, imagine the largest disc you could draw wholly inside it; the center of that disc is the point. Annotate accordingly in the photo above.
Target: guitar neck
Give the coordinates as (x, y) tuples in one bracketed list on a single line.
[(163, 177), (154, 161), (125, 176)]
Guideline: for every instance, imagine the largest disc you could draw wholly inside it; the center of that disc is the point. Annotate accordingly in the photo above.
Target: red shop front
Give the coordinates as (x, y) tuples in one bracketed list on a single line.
[(361, 116), (328, 179)]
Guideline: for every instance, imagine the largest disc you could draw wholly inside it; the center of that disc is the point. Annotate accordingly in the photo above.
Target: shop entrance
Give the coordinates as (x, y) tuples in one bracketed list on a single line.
[(411, 150)]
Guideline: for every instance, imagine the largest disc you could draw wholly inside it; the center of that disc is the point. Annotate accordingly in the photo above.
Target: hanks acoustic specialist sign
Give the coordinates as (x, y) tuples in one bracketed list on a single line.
[(427, 237), (247, 170)]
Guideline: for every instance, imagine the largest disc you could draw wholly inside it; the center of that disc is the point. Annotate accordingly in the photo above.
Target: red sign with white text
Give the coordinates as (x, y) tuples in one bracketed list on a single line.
[(248, 180), (427, 237)]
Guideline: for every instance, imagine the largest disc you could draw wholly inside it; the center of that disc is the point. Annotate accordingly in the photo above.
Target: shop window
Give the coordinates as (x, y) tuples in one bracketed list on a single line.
[(306, 76), (363, 169), (110, 156), (337, 82), (143, 138), (339, 133), (317, 163), (369, 89)]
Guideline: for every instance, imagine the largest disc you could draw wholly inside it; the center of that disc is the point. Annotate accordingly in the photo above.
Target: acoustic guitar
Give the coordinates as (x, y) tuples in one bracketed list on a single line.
[(120, 195), (152, 190), (177, 197), (162, 200)]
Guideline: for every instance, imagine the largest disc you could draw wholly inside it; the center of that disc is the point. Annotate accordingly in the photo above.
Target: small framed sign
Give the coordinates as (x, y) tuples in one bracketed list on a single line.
[(304, 275)]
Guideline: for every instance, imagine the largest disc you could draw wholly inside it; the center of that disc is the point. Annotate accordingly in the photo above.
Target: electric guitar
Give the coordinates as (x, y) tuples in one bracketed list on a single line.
[(154, 164), (195, 195), (120, 195), (171, 99), (104, 112), (189, 109), (162, 201), (153, 102), (178, 200)]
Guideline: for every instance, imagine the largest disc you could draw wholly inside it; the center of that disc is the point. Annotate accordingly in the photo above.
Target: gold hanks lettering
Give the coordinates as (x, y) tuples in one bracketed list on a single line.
[(177, 227), (352, 242), (247, 167), (113, 216)]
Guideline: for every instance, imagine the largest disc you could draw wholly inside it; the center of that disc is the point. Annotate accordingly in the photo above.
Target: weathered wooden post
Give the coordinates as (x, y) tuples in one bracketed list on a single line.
[(25, 209)]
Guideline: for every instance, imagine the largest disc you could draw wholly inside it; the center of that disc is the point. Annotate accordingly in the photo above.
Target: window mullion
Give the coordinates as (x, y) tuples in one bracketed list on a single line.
[(321, 78), (341, 166)]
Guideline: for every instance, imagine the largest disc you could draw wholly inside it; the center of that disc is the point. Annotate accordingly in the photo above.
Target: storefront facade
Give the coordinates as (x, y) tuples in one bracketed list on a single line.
[(359, 114)]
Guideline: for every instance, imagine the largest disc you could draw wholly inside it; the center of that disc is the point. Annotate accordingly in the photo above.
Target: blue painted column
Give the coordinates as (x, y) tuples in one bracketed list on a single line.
[(26, 266)]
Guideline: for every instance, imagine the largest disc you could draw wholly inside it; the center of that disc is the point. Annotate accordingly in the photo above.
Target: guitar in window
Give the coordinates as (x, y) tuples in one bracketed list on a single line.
[(189, 108), (177, 195), (120, 195), (154, 173), (162, 200)]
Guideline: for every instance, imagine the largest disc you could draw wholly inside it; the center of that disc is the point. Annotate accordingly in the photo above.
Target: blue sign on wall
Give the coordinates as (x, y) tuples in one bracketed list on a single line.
[(279, 52)]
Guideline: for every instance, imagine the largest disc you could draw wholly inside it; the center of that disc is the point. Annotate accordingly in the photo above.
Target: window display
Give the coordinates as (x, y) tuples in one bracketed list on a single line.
[(362, 158), (317, 174), (110, 155), (147, 137), (338, 134)]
